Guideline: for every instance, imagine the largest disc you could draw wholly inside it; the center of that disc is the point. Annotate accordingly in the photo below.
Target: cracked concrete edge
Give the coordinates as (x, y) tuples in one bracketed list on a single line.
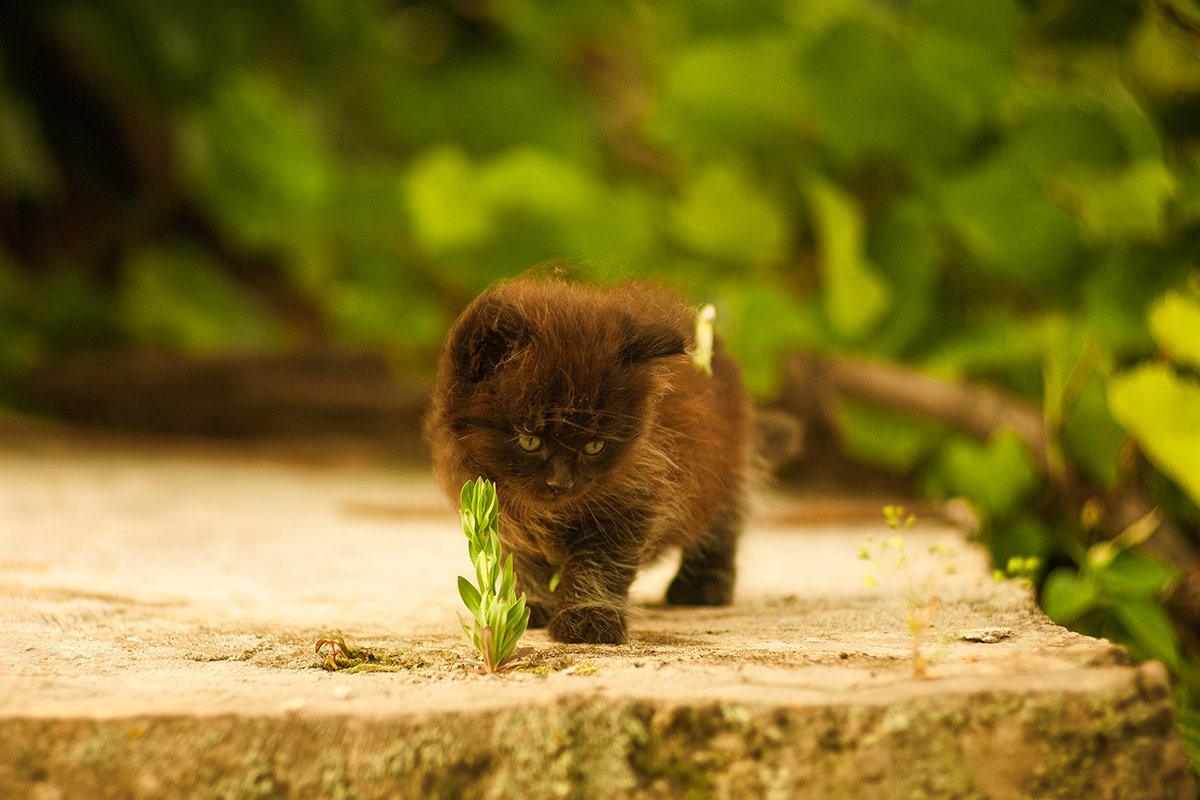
[(1113, 739)]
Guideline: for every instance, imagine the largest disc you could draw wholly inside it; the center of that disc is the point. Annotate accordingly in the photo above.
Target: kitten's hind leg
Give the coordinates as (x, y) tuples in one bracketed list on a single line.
[(707, 572)]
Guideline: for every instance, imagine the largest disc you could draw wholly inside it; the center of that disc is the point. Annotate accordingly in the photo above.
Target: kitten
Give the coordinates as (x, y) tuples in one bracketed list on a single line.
[(605, 443)]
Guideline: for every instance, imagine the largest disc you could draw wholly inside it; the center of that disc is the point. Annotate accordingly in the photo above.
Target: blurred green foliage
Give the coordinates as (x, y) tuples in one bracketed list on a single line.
[(920, 180), (1004, 190)]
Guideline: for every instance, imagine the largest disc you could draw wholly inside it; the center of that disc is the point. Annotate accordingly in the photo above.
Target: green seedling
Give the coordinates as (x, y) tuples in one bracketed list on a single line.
[(1116, 591), (499, 617), (923, 603), (1024, 569), (337, 656)]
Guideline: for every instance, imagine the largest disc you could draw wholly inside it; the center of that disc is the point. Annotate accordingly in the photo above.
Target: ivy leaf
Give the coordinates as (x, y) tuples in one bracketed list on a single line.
[(1130, 205), (869, 99), (881, 436), (988, 203), (445, 206), (1174, 321), (732, 88), (1161, 410), (1133, 575), (856, 296), (996, 476), (1068, 595), (1150, 628), (723, 214)]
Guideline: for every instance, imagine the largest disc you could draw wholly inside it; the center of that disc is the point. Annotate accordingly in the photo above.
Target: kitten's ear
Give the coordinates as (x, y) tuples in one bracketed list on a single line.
[(485, 337), (647, 340)]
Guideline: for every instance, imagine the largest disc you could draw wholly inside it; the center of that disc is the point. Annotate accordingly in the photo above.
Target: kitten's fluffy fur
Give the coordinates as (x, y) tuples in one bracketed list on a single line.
[(606, 445)]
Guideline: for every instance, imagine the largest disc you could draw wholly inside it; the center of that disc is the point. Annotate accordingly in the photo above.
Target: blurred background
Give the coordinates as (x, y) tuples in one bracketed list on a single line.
[(958, 240)]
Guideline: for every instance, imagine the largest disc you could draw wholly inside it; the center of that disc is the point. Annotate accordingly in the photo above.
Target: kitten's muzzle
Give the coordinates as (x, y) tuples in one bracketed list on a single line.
[(562, 478)]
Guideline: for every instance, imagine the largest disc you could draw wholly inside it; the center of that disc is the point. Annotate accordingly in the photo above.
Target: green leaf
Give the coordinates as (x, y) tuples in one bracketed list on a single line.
[(258, 162), (1161, 410), (902, 244), (26, 166), (445, 206), (1120, 206), (1150, 628), (1101, 554), (989, 203), (1020, 535), (492, 548), (508, 579), (176, 299), (997, 476), (1132, 575), (855, 295), (470, 595), (1174, 321), (884, 437), (1068, 595), (487, 648), (495, 612), (992, 26), (516, 613), (1055, 138), (484, 579), (1160, 59), (469, 630), (724, 214), (1091, 434), (514, 626), (870, 101), (730, 89), (759, 344)]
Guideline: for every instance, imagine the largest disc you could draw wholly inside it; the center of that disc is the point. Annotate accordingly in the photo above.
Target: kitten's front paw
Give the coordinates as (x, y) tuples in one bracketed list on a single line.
[(710, 589), (589, 624)]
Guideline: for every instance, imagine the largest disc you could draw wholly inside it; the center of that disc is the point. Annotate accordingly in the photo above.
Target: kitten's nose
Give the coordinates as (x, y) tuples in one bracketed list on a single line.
[(562, 479)]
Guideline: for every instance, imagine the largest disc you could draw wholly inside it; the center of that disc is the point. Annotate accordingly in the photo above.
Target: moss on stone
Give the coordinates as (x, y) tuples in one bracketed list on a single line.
[(1100, 744)]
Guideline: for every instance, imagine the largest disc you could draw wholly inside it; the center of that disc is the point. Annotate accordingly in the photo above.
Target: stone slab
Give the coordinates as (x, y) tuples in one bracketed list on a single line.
[(159, 609)]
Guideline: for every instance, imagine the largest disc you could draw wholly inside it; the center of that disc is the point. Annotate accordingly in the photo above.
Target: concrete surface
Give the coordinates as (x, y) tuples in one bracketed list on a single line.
[(159, 609)]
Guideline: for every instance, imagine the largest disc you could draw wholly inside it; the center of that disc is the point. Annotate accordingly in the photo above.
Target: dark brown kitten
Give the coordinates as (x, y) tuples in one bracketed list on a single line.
[(606, 445)]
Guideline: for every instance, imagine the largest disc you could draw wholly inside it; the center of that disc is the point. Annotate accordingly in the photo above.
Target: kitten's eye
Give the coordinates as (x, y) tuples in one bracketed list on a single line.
[(593, 447), (530, 444)]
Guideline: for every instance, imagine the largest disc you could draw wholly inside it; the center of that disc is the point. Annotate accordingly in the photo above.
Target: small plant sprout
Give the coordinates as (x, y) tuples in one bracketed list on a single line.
[(702, 357), (499, 617), (898, 518), (890, 554), (337, 656), (1020, 568)]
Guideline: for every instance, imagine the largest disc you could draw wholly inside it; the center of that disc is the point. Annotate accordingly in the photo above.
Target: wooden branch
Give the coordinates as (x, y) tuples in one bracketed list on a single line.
[(978, 410)]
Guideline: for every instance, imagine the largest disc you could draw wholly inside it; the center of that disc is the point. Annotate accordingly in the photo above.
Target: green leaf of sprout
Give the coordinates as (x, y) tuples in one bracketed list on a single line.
[(469, 594), (500, 617)]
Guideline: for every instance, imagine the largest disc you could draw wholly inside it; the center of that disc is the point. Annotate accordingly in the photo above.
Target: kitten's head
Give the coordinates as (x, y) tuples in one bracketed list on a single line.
[(547, 387)]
